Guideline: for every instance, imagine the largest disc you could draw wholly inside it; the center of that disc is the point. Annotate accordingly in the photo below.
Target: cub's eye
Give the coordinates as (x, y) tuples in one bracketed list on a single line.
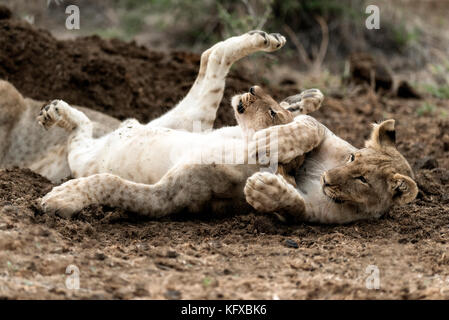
[(272, 113), (362, 178), (351, 157), (251, 91)]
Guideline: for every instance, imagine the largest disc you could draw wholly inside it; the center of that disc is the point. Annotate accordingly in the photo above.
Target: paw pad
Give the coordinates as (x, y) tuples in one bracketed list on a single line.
[(49, 114)]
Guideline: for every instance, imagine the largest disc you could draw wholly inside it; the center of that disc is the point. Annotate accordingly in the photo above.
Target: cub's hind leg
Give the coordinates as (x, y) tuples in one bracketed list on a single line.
[(185, 187), (197, 111)]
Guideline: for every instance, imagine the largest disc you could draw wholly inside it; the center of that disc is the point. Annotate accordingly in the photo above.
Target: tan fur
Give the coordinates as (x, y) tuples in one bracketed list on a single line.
[(257, 110), (173, 168), (339, 183), (374, 177), (23, 143)]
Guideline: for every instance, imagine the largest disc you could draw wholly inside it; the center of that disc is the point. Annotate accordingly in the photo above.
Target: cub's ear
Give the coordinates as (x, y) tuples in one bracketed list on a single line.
[(304, 102), (404, 189), (383, 135)]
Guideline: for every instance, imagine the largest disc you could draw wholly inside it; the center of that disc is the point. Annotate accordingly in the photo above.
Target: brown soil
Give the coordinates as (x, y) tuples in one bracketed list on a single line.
[(241, 256)]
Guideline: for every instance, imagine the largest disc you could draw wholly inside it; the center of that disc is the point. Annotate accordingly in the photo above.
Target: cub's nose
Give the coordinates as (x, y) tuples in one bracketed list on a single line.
[(252, 90), (324, 181)]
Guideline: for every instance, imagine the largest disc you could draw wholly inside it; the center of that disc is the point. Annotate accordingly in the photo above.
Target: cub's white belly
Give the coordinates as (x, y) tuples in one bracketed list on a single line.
[(144, 154)]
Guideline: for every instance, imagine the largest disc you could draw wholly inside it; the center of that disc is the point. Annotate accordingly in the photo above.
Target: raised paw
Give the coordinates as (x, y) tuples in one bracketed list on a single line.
[(265, 191), (50, 114), (64, 200), (268, 42), (305, 102)]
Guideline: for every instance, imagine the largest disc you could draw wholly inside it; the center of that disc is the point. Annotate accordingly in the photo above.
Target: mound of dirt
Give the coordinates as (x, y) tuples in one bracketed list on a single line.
[(123, 80), (366, 70), (5, 13), (252, 256)]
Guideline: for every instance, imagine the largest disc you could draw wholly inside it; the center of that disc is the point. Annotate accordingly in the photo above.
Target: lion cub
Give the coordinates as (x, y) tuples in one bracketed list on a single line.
[(257, 110)]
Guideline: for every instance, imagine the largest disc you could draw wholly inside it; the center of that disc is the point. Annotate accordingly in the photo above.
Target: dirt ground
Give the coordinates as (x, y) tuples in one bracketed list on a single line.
[(204, 257)]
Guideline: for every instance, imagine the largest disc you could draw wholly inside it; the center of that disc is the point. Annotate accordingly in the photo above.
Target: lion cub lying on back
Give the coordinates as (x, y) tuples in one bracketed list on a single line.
[(257, 110)]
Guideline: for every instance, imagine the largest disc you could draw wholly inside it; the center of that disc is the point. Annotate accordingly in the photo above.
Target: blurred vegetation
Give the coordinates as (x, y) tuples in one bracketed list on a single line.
[(321, 34), (404, 37), (198, 24), (440, 92), (426, 109), (438, 85), (430, 109), (229, 17)]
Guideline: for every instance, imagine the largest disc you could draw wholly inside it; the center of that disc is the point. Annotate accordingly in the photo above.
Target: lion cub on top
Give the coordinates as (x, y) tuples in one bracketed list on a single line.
[(256, 110)]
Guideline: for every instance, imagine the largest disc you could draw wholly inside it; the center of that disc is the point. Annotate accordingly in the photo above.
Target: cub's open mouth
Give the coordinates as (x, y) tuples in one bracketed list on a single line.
[(238, 102)]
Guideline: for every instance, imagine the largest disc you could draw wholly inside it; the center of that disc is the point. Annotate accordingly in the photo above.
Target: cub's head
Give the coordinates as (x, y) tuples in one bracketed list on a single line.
[(374, 178), (256, 110)]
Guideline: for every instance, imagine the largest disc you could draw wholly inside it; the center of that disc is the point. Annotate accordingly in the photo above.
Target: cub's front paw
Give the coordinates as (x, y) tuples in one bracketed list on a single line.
[(63, 201), (304, 103), (268, 42), (264, 191)]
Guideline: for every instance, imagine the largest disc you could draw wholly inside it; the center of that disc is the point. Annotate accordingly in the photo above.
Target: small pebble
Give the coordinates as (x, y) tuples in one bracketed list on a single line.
[(172, 294), (227, 272), (100, 256), (291, 243), (141, 291), (172, 254)]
